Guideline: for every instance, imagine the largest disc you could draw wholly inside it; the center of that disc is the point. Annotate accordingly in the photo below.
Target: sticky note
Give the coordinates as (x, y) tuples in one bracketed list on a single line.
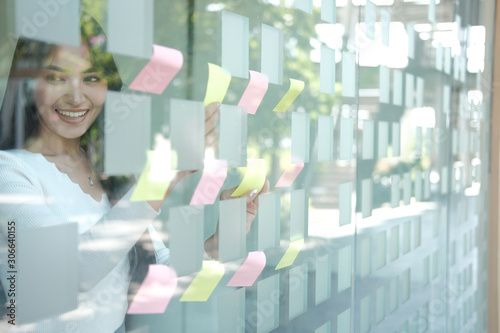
[(344, 321), (268, 221), (255, 177), (235, 44), (410, 90), (325, 138), (297, 291), (439, 56), (446, 99), (55, 23), (230, 314), (159, 71), (447, 60), (432, 11), (298, 214), (323, 279), (232, 229), (217, 85), (384, 84), (296, 87), (344, 268), (130, 27), (370, 18), (271, 54), (385, 18), (304, 5), (420, 92), (428, 141), (368, 139), (407, 188), (383, 138), (380, 304), (185, 229), (348, 74), (187, 133), (444, 180), (381, 245), (300, 137), (365, 312), (418, 185), (427, 184), (155, 179), (396, 139), (291, 172), (46, 271), (249, 271), (365, 252), (394, 251), (345, 204), (233, 135), (410, 30), (395, 191), (204, 283), (325, 328), (418, 141), (266, 291), (291, 253), (155, 292), (128, 130), (346, 138), (208, 188), (366, 197), (329, 11), (255, 91), (456, 67), (393, 295), (397, 88), (327, 70)]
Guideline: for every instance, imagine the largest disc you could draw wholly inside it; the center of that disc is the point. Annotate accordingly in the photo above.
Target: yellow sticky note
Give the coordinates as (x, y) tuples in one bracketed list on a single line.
[(296, 87), (291, 253), (155, 178), (218, 82), (255, 177), (204, 283)]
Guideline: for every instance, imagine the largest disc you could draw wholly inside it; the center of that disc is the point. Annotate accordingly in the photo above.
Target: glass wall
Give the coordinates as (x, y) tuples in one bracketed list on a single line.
[(363, 125)]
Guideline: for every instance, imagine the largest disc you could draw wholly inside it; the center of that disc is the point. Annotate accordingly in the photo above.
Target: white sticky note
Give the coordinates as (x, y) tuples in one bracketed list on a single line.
[(418, 185), (298, 214), (446, 99), (428, 141), (405, 285), (447, 60), (230, 311), (410, 90), (380, 304), (235, 44), (410, 30), (432, 11), (344, 267), (454, 141), (187, 133), (395, 191), (396, 139), (323, 279), (385, 18), (406, 241), (55, 22), (383, 138), (365, 259), (394, 250), (233, 135), (456, 67), (365, 314), (329, 11), (232, 229), (185, 230), (407, 188), (327, 71), (344, 321), (417, 232), (397, 88), (368, 139), (444, 180), (427, 184), (46, 272), (297, 291), (304, 5), (300, 137), (271, 54), (418, 141), (325, 328), (370, 19), (130, 27), (464, 138), (420, 92), (348, 74), (463, 69), (127, 114), (346, 138), (381, 249), (267, 289), (366, 197), (345, 205), (268, 221), (393, 295), (384, 84), (325, 138), (439, 56)]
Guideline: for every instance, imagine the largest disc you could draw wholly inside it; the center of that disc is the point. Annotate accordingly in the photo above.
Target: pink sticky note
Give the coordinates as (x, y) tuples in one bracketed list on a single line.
[(255, 91), (155, 292), (246, 275), (159, 71), (214, 175), (289, 175)]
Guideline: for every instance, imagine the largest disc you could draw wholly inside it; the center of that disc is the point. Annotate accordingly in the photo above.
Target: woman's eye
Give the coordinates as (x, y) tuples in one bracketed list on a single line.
[(54, 78), (92, 78)]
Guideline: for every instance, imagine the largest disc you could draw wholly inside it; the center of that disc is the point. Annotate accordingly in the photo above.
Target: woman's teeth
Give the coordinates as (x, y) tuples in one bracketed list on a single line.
[(72, 114)]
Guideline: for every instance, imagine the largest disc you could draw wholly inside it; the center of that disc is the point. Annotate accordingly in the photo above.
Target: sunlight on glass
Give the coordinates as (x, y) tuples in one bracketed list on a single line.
[(476, 49), (215, 7)]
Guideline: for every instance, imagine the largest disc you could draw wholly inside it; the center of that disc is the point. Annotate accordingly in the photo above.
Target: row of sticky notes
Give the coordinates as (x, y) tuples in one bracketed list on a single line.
[(397, 99)]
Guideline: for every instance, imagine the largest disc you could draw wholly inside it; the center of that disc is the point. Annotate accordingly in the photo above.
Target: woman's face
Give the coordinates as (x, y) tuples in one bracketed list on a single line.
[(69, 93)]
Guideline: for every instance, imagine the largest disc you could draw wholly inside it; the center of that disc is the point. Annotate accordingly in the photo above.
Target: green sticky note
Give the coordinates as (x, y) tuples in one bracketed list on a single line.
[(255, 177), (218, 82), (204, 283), (291, 253), (296, 87), (155, 178)]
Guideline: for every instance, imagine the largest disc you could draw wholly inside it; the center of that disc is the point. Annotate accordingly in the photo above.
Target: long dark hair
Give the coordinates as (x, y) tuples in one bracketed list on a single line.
[(18, 117)]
